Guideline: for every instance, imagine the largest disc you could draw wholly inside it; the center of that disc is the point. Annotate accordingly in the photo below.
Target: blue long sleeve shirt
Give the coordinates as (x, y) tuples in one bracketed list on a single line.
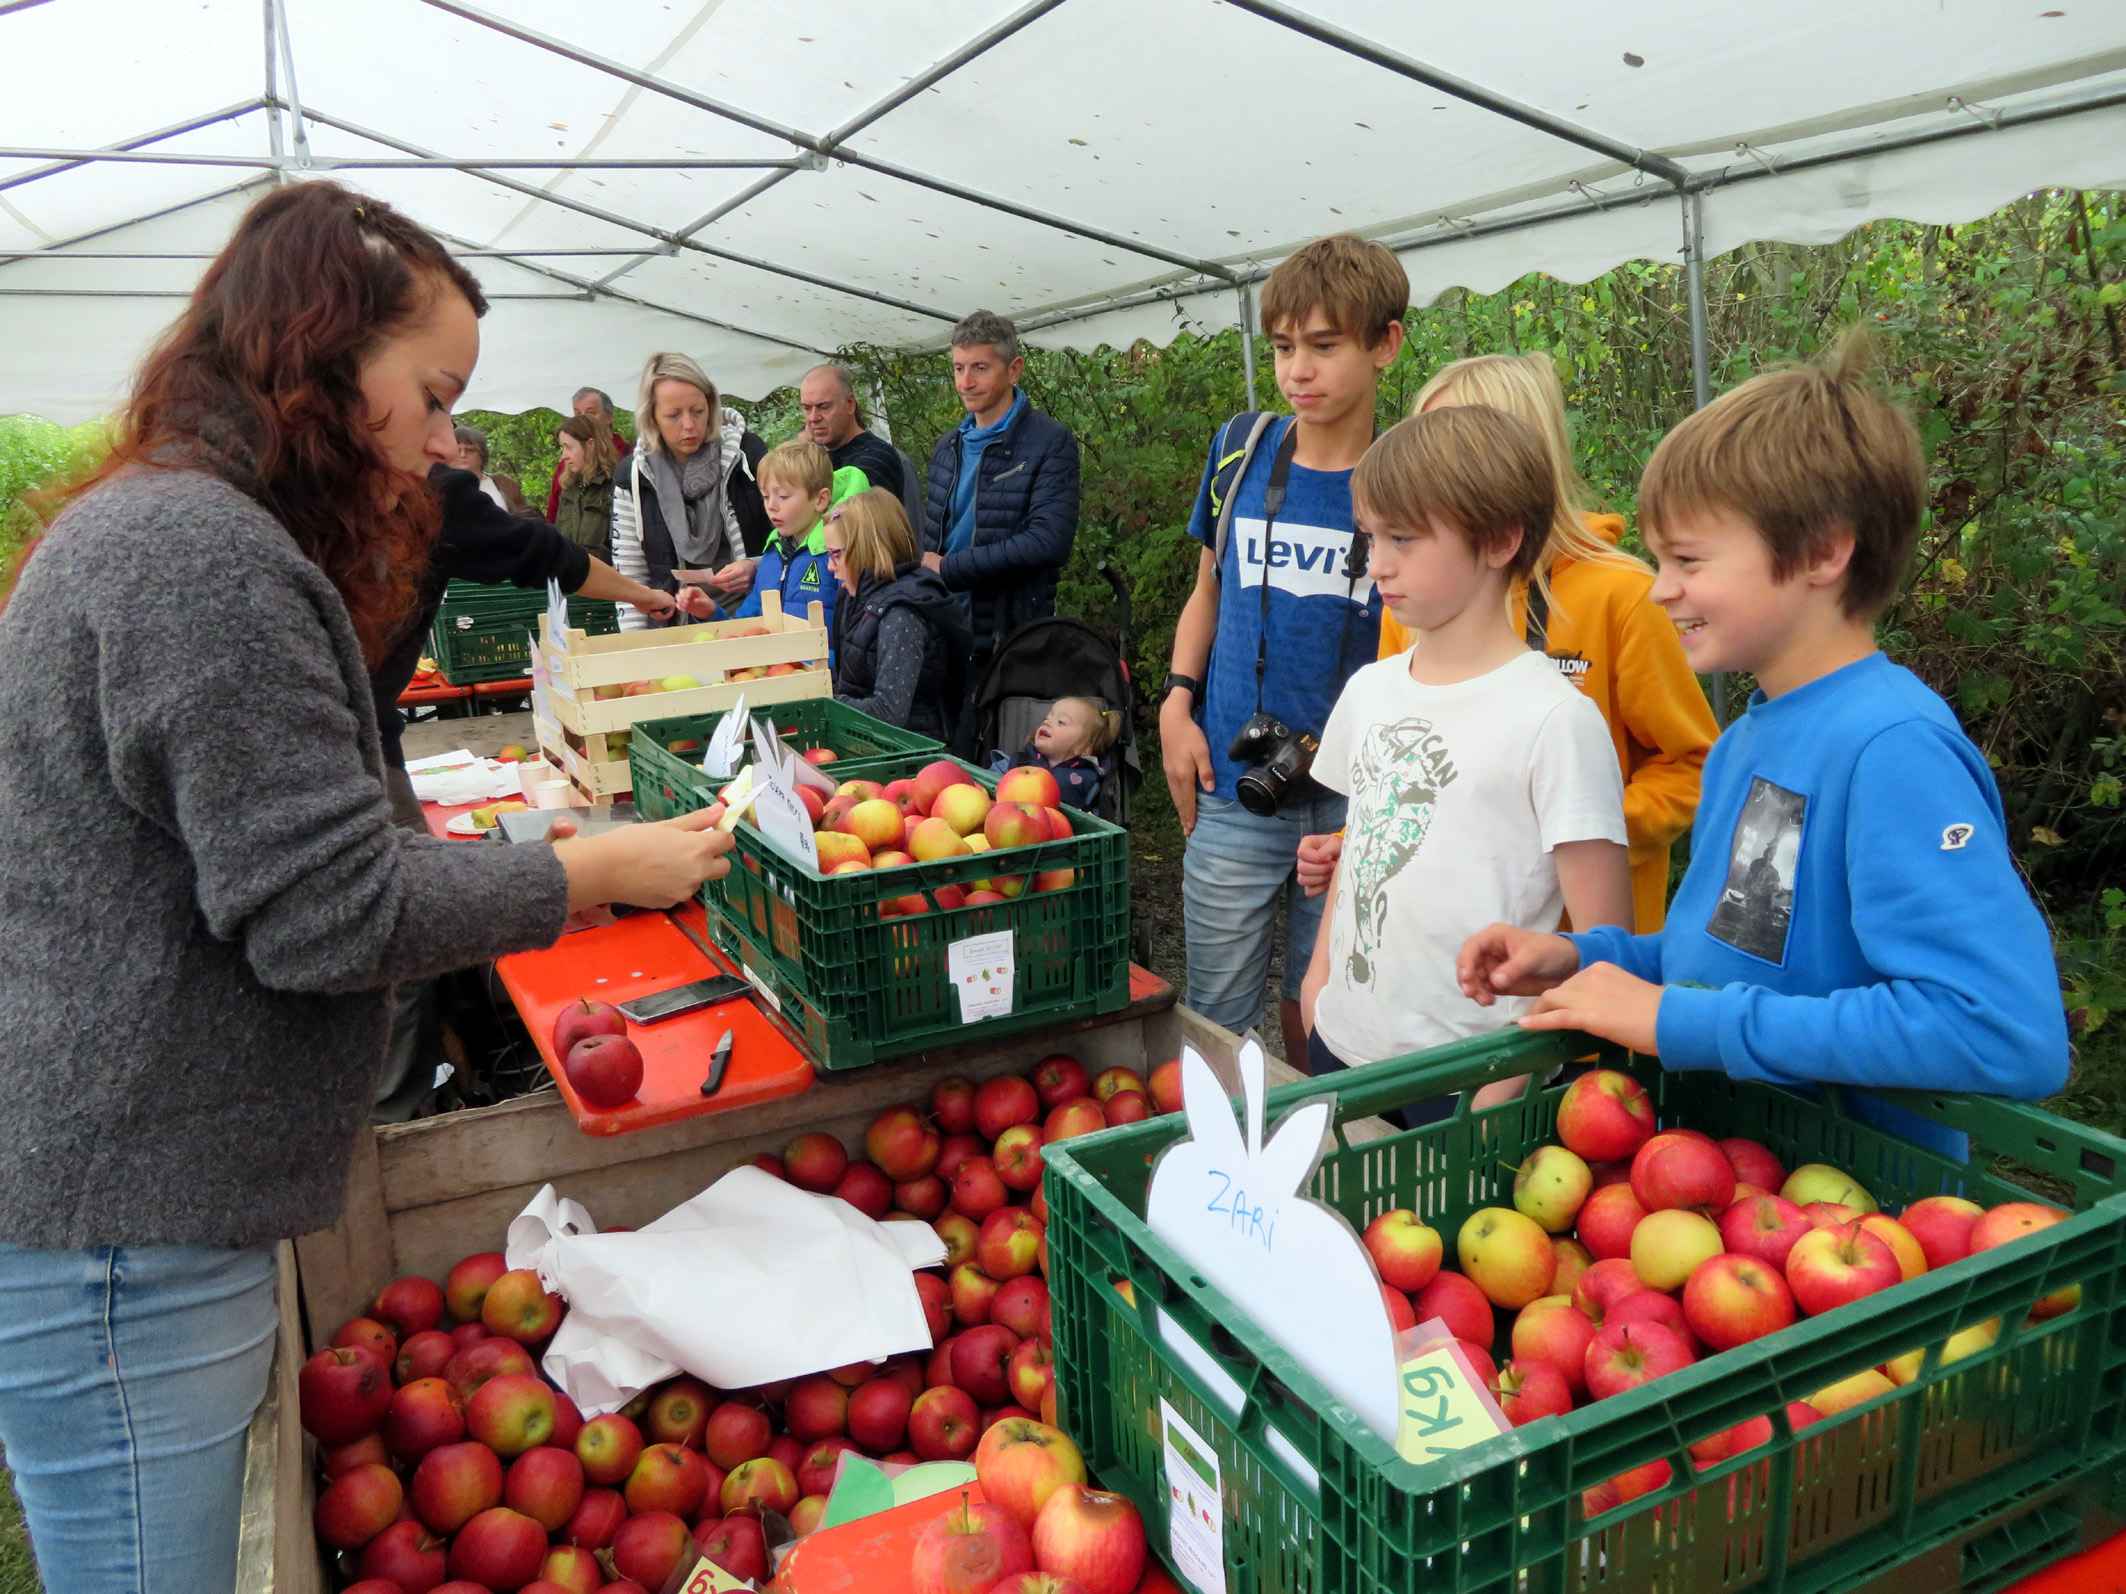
[(1852, 914)]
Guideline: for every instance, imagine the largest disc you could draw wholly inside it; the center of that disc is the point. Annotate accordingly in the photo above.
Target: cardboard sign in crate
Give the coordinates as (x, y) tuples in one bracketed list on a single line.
[(1983, 1467), (585, 734)]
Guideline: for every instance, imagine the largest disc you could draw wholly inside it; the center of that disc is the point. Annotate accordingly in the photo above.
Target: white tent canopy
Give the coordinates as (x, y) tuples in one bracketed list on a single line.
[(759, 184)]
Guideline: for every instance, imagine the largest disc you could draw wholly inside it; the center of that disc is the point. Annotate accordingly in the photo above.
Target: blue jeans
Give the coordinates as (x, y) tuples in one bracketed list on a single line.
[(128, 1376), (1236, 873)]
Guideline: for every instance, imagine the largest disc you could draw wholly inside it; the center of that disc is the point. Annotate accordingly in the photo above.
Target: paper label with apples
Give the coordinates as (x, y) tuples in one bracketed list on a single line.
[(1445, 1406), (981, 969), (709, 1578), (1195, 1503)]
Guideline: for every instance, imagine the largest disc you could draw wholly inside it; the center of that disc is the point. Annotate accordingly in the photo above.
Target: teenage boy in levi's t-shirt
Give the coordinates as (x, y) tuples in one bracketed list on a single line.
[(1482, 785)]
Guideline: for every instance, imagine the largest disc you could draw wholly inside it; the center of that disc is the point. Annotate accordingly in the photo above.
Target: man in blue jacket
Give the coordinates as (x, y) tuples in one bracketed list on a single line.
[(1002, 507)]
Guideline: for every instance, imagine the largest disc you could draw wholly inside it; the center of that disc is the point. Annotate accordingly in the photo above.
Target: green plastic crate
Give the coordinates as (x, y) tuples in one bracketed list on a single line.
[(1968, 1478), (853, 989), (483, 633), (668, 783)]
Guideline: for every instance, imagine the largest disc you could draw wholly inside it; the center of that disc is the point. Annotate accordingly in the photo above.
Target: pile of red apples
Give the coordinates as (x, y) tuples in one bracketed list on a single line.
[(451, 1464), (1630, 1253)]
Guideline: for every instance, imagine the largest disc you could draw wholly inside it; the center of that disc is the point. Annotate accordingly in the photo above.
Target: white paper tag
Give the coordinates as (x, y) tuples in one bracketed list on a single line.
[(556, 614), (1195, 1504), (719, 760), (761, 985), (981, 969), (785, 821), (775, 753)]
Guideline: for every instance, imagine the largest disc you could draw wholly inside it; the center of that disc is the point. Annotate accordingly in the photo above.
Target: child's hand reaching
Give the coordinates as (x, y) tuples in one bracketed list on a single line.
[(1603, 1000), (1505, 960), (1317, 862)]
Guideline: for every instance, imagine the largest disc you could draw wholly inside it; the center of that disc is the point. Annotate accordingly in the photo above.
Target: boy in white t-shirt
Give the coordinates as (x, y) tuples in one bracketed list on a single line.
[(1483, 786)]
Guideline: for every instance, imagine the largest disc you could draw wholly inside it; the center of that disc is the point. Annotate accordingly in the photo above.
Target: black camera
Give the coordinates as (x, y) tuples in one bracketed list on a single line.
[(1277, 756)]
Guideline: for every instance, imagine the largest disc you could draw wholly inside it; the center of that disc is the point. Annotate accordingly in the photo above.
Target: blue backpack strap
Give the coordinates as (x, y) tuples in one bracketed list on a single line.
[(1234, 449)]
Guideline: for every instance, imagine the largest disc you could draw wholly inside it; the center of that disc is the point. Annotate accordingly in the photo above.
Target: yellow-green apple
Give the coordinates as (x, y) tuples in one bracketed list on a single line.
[(343, 1394), (902, 1143), (1765, 1227), (1507, 1255), (511, 1414), (1013, 824), (737, 1544), (1964, 1342), (1009, 1239), (1819, 1181), (867, 1189), (1022, 1305), (1526, 1390), (815, 1408), (2011, 1221), (1754, 1163), (1942, 1225), (1550, 1186), (934, 839), (1017, 1156), (959, 1234), (1911, 1255), (608, 1447), (1608, 1218), (836, 848), (815, 1162), (964, 807), (1553, 1330), (519, 1307), (1731, 1300), (647, 1549), (1666, 1246), (974, 1292), (677, 683), (941, 1424), (604, 1070), (1458, 1303), (875, 822), (1030, 784), (409, 1306), (1406, 1251), (862, 790), (1020, 1463), (485, 1359), (1080, 1117), (737, 1432), (967, 1548), (405, 1555), (1829, 1268), (546, 1484), (1682, 1170), (1111, 1080), (423, 1414), (358, 1505), (760, 1485), (1092, 1536), (1850, 1392), (1605, 1116), (455, 1483), (499, 1548), (1623, 1356)]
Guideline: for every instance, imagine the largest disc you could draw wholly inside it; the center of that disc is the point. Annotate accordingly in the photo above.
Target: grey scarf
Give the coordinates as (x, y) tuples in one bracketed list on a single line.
[(690, 494)]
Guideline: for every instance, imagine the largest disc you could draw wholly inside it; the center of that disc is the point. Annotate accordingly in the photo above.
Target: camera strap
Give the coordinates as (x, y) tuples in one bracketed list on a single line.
[(1272, 503)]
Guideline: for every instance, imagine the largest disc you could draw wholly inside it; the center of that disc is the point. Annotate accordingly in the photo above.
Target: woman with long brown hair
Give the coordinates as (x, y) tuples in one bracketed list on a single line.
[(205, 898)]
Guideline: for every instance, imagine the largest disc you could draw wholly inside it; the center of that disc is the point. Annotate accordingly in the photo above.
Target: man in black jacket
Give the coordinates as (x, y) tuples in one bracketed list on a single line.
[(1002, 507)]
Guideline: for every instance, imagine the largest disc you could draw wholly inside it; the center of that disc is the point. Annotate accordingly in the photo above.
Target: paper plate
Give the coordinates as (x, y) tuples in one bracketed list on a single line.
[(463, 826)]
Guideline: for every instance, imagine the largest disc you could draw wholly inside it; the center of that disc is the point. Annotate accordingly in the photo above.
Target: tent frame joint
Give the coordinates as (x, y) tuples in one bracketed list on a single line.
[(1983, 113)]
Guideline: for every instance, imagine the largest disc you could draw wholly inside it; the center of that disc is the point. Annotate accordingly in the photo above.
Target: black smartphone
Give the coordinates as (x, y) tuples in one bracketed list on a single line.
[(683, 999)]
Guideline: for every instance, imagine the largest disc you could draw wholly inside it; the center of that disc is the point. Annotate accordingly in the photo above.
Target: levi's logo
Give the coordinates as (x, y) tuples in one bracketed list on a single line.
[(1306, 561)]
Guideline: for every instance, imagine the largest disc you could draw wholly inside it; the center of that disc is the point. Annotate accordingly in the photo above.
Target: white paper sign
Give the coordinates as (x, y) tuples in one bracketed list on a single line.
[(719, 760), (775, 753), (784, 820), (1195, 1504), (1232, 1208), (981, 969), (556, 614)]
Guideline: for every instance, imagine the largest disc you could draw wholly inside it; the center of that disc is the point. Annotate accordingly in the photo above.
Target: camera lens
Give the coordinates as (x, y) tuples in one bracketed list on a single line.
[(1260, 791)]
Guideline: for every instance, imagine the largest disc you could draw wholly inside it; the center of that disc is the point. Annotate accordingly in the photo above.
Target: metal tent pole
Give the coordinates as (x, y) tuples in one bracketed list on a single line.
[(1246, 296), (190, 125), (1701, 367), (273, 110)]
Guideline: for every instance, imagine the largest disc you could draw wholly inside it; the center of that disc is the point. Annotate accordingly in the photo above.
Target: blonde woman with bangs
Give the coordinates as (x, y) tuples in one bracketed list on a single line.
[(902, 644), (1597, 625)]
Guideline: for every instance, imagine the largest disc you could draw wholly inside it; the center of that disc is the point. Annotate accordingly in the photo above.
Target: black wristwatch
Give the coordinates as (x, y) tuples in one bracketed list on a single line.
[(1174, 679)]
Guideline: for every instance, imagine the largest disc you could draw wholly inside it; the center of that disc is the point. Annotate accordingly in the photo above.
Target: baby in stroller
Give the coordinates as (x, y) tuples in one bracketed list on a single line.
[(1072, 744)]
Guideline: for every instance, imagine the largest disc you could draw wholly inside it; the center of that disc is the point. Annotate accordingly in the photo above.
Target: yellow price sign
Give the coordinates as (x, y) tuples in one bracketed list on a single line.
[(709, 1578), (1443, 1408)]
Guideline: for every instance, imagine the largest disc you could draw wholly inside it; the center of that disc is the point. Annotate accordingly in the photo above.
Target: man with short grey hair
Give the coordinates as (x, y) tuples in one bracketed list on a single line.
[(835, 420), (587, 402)]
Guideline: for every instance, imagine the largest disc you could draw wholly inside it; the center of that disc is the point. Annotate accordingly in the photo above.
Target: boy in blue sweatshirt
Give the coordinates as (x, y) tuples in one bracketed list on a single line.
[(1852, 913), (798, 485)]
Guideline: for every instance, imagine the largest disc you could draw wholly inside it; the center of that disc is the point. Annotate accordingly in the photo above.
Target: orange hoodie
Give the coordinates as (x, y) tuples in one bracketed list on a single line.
[(1623, 652)]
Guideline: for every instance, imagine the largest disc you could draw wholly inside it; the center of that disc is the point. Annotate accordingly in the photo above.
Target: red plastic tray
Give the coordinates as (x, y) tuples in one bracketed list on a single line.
[(432, 689), (635, 955)]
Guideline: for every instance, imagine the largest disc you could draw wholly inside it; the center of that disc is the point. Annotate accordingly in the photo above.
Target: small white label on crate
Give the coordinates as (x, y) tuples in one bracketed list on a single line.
[(761, 986), (1195, 1504), (981, 969)]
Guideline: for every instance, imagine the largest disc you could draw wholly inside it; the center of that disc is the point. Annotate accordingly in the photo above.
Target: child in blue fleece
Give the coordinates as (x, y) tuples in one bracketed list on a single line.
[(1852, 912)]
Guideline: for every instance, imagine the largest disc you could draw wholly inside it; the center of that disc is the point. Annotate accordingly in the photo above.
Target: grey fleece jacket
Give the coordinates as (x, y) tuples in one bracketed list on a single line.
[(203, 899)]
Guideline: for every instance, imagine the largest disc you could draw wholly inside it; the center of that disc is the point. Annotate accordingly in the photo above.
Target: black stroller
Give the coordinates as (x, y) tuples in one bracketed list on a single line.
[(1058, 657)]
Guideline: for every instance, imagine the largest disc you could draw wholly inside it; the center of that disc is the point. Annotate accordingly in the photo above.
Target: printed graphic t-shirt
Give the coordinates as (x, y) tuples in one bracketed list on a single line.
[(1457, 796), (1322, 625)]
